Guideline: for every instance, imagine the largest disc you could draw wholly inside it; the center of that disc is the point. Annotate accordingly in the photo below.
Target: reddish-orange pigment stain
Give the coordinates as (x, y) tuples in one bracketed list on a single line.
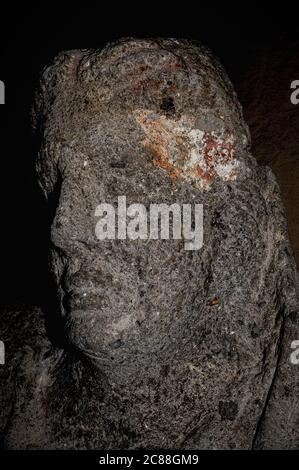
[(173, 66), (207, 175), (213, 151), (224, 150)]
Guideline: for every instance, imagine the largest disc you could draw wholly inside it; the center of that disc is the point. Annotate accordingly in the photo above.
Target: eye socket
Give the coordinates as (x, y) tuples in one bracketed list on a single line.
[(167, 105)]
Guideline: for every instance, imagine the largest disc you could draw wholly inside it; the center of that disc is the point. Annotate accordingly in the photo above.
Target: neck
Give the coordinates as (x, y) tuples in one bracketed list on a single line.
[(149, 407)]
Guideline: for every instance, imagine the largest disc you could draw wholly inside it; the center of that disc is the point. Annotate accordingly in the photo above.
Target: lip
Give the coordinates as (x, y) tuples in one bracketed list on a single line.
[(100, 356)]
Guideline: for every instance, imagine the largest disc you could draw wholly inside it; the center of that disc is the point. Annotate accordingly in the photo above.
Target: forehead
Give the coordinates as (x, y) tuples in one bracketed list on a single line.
[(170, 77), (153, 96)]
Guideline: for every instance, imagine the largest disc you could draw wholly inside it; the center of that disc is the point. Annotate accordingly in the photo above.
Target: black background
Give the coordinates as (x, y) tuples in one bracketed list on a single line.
[(30, 36)]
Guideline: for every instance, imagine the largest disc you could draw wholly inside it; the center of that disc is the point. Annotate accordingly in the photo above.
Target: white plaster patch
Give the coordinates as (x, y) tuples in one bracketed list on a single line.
[(186, 151)]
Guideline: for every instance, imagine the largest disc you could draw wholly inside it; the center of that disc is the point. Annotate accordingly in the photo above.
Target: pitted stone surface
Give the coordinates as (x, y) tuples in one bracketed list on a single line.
[(164, 348)]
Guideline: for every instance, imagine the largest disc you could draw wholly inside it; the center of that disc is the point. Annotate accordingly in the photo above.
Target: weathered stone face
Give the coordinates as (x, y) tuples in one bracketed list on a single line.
[(184, 345), (156, 121)]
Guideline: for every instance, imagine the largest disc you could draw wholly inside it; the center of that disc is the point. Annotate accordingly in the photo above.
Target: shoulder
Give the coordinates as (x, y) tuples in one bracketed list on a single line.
[(27, 356)]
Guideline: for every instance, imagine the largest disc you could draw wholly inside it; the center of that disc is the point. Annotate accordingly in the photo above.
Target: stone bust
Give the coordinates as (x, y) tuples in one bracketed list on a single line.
[(159, 346)]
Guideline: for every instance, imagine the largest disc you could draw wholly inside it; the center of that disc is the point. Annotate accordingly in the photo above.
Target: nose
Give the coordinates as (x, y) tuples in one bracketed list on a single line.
[(73, 220)]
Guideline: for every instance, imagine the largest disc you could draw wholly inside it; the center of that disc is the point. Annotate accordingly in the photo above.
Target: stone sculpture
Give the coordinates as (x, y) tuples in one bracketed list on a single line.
[(154, 346)]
